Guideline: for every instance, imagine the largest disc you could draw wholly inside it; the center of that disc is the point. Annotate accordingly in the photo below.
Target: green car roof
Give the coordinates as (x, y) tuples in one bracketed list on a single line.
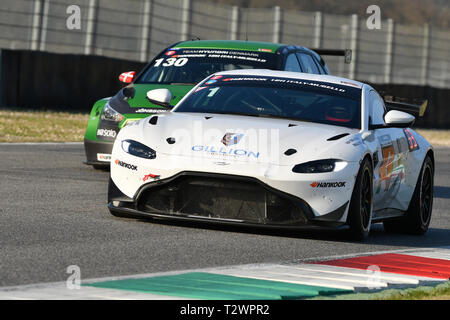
[(229, 44)]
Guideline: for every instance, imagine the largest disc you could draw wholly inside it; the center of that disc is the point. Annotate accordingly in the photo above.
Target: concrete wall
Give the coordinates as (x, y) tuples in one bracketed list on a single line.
[(32, 79), (138, 29)]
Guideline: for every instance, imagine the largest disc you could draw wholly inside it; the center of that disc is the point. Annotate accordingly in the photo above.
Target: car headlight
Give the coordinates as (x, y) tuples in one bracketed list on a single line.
[(320, 166), (110, 114), (138, 149)]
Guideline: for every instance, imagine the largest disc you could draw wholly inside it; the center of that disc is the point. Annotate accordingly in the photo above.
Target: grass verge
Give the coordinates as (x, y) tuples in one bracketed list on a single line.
[(41, 126), (51, 126), (438, 138), (436, 292)]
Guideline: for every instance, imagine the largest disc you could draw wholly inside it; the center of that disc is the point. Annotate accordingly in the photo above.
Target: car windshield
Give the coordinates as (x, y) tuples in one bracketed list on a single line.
[(190, 66), (273, 97)]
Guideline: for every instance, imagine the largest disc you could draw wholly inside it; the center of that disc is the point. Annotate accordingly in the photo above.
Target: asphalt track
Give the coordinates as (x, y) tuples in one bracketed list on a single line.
[(53, 214)]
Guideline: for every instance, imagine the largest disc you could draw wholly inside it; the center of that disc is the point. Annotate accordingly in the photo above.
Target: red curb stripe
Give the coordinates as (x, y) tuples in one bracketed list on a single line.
[(397, 263)]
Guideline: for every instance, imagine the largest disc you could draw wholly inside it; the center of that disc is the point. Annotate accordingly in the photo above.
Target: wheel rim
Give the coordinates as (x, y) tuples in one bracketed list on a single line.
[(426, 196), (366, 200)]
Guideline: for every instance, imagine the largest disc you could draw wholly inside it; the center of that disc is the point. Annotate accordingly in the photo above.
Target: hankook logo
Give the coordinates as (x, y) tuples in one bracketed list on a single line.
[(327, 184), (125, 165)]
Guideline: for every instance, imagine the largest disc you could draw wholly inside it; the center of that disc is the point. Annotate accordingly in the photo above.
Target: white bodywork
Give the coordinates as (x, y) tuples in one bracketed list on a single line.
[(260, 152)]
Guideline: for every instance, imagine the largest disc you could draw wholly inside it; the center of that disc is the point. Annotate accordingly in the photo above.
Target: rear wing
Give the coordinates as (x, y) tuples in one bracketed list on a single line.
[(393, 103), (346, 53)]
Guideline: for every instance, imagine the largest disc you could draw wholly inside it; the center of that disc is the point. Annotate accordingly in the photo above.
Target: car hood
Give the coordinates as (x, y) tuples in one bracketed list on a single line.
[(231, 138), (140, 96)]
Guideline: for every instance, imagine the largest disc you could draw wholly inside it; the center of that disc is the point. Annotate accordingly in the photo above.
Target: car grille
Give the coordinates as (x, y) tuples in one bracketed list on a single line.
[(222, 197)]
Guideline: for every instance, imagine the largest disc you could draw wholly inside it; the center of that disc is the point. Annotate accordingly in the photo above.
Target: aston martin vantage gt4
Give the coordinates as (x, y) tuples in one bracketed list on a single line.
[(275, 148)]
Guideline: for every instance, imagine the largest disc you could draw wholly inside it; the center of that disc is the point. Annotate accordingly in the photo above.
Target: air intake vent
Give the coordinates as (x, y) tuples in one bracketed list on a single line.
[(289, 152), (153, 120), (338, 137)]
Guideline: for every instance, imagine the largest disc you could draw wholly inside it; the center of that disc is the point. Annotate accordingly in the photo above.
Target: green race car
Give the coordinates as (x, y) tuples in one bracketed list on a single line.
[(179, 68)]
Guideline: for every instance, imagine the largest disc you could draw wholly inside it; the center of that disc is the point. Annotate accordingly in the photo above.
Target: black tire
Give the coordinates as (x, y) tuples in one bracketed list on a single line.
[(360, 209), (417, 218)]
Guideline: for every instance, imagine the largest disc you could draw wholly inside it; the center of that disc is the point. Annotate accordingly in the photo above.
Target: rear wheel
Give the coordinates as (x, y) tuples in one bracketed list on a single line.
[(360, 209), (417, 218)]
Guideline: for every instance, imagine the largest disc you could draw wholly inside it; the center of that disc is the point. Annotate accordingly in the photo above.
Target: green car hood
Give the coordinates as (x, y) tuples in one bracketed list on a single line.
[(140, 96)]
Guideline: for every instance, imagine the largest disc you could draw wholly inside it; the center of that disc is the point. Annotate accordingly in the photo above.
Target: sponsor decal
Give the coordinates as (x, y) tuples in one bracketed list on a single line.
[(307, 83), (392, 169), (221, 163), (216, 77), (106, 133), (412, 142), (149, 110), (103, 157), (200, 88), (230, 139), (169, 53), (350, 84), (328, 184), (150, 176), (264, 50), (211, 81), (125, 165), (222, 151)]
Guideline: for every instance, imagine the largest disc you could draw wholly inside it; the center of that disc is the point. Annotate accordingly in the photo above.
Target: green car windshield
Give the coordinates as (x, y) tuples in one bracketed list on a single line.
[(190, 66), (273, 97)]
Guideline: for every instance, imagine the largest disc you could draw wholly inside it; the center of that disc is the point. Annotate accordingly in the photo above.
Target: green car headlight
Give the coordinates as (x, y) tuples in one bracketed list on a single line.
[(320, 166), (110, 114)]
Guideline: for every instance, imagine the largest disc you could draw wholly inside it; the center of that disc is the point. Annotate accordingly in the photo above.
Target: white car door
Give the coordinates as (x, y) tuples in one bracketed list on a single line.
[(390, 159)]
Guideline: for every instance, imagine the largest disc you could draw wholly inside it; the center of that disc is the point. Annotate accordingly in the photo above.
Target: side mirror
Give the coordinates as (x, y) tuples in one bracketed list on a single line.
[(395, 118), (160, 97), (127, 77)]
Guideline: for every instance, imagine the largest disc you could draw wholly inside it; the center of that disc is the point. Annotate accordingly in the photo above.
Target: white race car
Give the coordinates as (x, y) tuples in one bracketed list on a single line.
[(276, 148)]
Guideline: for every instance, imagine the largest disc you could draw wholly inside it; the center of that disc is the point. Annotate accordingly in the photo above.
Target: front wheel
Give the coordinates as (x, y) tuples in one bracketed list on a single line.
[(418, 216), (360, 209)]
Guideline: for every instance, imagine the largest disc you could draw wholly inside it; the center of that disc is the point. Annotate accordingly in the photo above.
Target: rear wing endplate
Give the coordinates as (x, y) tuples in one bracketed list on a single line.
[(417, 110), (346, 53)]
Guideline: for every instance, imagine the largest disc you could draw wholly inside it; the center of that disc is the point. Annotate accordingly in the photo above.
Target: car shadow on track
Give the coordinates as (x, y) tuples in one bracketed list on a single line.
[(435, 237), (441, 192)]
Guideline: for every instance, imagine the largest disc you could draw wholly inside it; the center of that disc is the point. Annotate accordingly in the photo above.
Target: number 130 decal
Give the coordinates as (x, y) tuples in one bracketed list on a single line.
[(177, 62)]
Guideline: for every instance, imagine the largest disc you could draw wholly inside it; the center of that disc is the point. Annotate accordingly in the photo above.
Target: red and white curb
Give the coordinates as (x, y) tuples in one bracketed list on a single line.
[(358, 273)]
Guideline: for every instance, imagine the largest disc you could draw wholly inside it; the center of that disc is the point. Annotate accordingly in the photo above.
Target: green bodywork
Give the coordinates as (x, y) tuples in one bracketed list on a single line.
[(178, 91), (230, 45), (139, 101)]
